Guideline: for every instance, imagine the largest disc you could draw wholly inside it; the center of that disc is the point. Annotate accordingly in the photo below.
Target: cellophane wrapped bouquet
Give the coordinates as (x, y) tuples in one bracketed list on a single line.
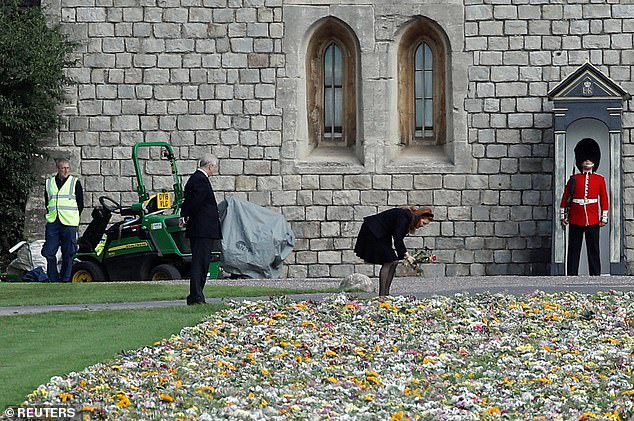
[(421, 257)]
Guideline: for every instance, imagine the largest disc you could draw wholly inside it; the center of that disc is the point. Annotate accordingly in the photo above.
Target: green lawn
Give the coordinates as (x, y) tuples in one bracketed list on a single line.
[(36, 347), (15, 294)]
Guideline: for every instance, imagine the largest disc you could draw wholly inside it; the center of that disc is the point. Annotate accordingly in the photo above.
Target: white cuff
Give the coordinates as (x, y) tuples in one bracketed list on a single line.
[(562, 213)]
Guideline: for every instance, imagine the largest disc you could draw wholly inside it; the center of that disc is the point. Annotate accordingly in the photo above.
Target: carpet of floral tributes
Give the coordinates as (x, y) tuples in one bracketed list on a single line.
[(564, 356)]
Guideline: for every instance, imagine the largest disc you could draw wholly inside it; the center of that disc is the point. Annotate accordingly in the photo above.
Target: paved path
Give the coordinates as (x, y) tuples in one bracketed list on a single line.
[(419, 287)]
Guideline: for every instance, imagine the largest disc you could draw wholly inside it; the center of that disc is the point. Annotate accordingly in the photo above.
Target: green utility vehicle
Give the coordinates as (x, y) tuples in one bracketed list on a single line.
[(148, 243)]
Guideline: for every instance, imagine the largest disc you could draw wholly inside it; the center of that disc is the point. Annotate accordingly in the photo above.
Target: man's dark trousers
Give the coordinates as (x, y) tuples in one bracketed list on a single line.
[(575, 238), (56, 235), (201, 255)]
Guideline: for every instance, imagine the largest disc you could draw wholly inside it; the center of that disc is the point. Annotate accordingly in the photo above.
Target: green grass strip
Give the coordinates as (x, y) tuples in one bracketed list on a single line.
[(23, 294), (36, 347)]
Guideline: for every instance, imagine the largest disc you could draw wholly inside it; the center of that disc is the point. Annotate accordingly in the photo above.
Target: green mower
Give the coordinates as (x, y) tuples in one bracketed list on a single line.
[(148, 244)]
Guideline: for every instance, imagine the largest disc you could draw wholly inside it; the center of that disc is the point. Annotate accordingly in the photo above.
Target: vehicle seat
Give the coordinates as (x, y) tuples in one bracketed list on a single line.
[(95, 230), (171, 222)]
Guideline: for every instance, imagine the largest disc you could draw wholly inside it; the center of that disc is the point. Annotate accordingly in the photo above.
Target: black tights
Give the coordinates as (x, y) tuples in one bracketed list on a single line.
[(386, 275)]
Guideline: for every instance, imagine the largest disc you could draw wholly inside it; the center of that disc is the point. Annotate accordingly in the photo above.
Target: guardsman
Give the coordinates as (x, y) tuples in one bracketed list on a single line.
[(64, 200), (584, 206)]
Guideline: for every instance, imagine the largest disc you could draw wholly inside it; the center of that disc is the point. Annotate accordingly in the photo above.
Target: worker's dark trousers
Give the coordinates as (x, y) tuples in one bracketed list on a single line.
[(575, 238), (201, 254)]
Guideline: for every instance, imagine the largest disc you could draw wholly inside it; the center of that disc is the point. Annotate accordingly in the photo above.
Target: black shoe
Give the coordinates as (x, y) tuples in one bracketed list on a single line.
[(193, 303)]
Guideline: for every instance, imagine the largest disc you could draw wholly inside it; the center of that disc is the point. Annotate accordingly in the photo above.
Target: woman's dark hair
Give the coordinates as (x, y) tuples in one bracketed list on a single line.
[(418, 213)]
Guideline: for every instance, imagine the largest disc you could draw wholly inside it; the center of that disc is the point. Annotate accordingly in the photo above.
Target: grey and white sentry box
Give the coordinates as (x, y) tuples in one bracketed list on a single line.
[(588, 104)]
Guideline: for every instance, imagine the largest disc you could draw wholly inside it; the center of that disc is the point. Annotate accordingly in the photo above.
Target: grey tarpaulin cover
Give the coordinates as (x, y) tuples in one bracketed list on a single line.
[(255, 240)]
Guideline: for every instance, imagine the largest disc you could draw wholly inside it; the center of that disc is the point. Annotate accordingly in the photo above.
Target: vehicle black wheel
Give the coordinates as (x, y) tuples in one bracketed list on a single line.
[(88, 272), (165, 272)]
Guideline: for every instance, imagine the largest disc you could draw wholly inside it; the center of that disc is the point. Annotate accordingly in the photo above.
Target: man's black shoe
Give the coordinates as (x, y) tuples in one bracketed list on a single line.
[(192, 303)]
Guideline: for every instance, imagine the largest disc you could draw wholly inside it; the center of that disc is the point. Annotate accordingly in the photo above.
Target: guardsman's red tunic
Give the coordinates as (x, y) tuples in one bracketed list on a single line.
[(588, 196)]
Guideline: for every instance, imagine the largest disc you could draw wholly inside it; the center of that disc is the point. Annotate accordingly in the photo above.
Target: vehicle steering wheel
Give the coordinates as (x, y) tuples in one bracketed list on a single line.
[(109, 204)]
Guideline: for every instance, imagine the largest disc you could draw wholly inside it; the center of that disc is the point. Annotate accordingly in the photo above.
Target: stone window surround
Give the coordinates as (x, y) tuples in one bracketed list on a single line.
[(418, 31), (331, 30), (382, 151)]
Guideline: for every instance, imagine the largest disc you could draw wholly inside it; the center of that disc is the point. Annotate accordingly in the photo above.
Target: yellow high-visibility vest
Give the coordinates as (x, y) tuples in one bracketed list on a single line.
[(62, 202)]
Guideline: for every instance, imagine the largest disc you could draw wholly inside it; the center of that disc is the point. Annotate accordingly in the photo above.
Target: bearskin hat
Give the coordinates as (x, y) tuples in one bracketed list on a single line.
[(587, 149)]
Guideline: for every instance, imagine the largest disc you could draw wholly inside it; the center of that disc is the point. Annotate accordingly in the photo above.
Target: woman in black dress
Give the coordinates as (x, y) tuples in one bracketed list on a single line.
[(374, 242)]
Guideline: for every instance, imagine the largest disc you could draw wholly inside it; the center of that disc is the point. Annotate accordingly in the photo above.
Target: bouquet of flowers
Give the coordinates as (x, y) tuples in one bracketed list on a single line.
[(422, 256)]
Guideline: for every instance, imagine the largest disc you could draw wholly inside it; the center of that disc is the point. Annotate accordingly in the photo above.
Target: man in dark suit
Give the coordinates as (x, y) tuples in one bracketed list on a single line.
[(200, 214)]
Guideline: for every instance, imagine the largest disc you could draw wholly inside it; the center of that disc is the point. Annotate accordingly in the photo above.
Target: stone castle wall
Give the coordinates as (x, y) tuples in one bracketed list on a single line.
[(228, 76)]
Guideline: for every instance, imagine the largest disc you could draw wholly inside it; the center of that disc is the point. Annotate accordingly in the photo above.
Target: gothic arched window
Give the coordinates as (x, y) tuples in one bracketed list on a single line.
[(331, 85), (422, 102)]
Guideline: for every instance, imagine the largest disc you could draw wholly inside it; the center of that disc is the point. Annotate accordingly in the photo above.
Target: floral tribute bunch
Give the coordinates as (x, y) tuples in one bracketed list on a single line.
[(422, 256)]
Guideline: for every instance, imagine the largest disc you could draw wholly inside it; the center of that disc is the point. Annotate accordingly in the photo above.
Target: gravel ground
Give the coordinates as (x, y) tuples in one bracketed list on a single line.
[(419, 287), (450, 285)]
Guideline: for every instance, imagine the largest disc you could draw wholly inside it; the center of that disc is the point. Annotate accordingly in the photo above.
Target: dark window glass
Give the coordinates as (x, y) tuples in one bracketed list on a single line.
[(423, 91), (333, 92)]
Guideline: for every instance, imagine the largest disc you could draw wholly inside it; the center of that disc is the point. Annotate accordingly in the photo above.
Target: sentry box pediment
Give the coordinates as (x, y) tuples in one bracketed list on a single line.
[(587, 83)]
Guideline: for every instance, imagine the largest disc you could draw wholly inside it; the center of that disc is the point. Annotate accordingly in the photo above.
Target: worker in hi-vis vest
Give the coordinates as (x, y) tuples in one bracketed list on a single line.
[(64, 200)]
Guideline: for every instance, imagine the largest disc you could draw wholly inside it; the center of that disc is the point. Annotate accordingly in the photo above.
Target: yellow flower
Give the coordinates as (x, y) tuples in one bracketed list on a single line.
[(613, 415), (65, 397), (332, 380), (124, 401), (330, 353), (205, 390), (398, 416), (375, 380), (223, 364), (166, 398), (264, 371), (149, 373), (527, 347), (493, 410)]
